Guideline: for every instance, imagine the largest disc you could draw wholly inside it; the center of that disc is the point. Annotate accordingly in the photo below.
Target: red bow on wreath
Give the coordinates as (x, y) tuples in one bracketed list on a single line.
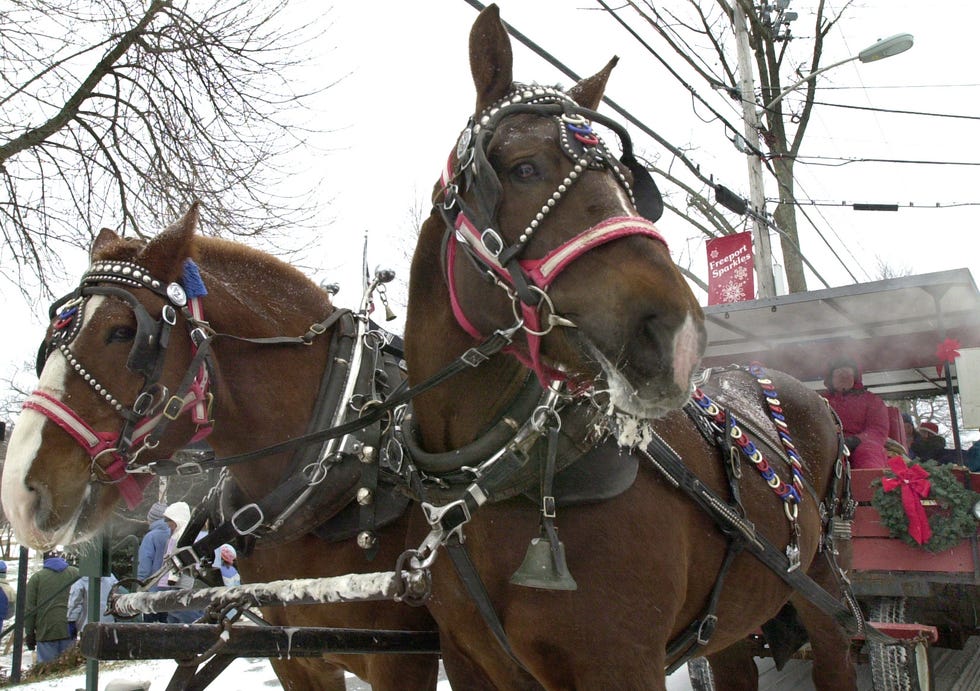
[(947, 351), (914, 481)]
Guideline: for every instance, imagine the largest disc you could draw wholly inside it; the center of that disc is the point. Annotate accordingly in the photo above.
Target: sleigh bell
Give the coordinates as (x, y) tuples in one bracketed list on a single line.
[(544, 567)]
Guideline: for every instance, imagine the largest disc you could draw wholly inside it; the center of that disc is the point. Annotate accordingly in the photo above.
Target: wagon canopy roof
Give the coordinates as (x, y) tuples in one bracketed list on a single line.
[(891, 327)]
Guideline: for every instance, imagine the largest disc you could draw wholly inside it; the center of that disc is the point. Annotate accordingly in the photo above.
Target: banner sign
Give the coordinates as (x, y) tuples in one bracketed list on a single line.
[(730, 267)]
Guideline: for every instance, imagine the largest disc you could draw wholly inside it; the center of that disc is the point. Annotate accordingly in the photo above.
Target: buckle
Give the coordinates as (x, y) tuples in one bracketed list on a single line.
[(548, 507), (449, 517), (188, 469), (473, 357), (184, 557), (143, 403), (172, 410), (260, 518), (706, 629)]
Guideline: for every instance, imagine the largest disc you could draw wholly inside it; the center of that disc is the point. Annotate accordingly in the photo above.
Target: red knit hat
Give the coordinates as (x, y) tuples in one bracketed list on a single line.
[(930, 427)]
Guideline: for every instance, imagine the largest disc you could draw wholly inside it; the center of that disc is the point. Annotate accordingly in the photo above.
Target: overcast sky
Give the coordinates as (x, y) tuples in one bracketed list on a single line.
[(405, 93)]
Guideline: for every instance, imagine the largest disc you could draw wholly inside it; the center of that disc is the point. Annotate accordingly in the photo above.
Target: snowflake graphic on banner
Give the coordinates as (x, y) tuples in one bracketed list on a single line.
[(741, 274), (733, 291)]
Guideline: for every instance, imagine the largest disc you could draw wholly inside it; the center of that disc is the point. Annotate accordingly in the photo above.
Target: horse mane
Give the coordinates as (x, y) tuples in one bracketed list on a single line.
[(284, 287)]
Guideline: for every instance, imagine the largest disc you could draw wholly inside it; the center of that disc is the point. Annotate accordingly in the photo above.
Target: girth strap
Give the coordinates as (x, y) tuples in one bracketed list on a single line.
[(699, 632), (478, 593)]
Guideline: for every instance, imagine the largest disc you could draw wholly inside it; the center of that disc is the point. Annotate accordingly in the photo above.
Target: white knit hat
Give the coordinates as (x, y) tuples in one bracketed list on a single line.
[(180, 513)]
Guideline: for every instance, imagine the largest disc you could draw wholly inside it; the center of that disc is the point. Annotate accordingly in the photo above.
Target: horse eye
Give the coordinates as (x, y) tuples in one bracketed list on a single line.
[(524, 171), (121, 334)]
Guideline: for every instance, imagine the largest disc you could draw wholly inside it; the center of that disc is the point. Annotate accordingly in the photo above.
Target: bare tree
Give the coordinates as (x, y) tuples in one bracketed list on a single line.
[(700, 33), (120, 112)]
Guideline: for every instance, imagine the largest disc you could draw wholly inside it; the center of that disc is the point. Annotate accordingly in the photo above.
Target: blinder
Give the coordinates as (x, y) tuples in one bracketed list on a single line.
[(149, 342), (578, 140)]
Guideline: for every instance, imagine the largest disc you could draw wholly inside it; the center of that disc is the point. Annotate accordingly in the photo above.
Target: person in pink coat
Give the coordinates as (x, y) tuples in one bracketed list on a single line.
[(862, 414)]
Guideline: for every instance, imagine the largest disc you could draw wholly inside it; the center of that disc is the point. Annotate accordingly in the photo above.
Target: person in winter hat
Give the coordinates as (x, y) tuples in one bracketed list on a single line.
[(229, 573), (46, 616), (156, 512), (153, 548), (180, 514), (6, 594), (863, 415), (929, 443)]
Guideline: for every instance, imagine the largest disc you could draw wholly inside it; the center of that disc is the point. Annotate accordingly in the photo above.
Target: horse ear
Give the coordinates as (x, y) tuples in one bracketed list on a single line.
[(588, 92), (491, 59), (164, 255), (105, 238)]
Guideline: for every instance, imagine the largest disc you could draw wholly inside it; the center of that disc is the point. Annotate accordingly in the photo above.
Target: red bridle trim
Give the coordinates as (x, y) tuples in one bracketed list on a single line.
[(94, 443)]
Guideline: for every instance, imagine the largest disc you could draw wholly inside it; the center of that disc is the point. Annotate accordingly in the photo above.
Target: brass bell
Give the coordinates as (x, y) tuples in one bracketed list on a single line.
[(543, 568), (389, 313)]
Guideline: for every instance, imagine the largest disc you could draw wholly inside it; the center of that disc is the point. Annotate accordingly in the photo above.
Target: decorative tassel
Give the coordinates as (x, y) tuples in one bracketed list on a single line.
[(192, 281)]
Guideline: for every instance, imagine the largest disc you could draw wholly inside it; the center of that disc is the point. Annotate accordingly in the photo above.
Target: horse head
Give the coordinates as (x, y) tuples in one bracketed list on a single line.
[(545, 231), (110, 379)]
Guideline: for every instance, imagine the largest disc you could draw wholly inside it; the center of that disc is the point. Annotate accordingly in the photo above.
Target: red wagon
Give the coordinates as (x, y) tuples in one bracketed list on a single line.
[(892, 327)]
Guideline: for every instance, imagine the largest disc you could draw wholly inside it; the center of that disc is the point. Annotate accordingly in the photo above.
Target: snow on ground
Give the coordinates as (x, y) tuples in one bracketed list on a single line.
[(245, 674)]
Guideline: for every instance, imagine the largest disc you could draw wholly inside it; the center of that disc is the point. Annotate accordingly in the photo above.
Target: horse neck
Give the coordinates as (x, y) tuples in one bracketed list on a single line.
[(263, 394), (456, 412)]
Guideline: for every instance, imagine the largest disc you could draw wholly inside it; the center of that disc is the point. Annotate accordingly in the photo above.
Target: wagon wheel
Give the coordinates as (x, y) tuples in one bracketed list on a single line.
[(898, 667), (699, 672)]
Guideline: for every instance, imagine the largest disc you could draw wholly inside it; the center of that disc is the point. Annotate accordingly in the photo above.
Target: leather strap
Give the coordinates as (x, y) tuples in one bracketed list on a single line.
[(478, 593), (670, 464)]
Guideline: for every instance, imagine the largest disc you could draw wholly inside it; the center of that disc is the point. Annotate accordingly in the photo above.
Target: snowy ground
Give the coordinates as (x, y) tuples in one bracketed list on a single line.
[(245, 674)]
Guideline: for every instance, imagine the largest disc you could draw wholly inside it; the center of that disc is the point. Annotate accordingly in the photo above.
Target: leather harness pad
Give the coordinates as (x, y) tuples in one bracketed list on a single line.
[(602, 473), (389, 504)]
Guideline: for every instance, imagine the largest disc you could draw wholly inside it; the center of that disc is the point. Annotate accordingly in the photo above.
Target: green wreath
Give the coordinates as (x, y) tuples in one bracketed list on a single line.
[(951, 519)]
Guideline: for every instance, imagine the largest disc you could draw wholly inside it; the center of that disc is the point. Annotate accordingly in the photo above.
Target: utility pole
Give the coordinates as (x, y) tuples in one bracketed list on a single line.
[(750, 119)]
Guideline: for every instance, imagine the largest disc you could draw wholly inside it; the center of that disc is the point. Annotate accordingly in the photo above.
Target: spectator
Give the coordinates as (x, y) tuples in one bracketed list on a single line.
[(46, 619), (6, 594), (179, 513), (78, 602), (910, 435), (229, 572), (929, 444), (152, 550), (972, 457), (863, 415)]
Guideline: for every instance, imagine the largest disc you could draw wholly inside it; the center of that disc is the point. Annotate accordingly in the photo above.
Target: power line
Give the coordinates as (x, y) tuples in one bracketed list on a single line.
[(844, 160), (864, 206), (901, 86), (900, 112)]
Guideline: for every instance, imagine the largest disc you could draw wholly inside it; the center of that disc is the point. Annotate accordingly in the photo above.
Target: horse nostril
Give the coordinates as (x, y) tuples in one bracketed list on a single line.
[(41, 503)]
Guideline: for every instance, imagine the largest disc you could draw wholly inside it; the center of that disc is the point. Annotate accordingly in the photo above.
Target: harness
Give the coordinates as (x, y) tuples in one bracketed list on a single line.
[(143, 423), (468, 201), (472, 225)]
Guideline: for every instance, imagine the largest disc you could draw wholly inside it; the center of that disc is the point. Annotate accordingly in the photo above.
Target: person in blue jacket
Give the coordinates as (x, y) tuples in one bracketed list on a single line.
[(153, 548)]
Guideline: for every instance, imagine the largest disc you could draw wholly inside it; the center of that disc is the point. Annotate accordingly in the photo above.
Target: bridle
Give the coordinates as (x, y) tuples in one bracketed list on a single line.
[(473, 224), (144, 422)]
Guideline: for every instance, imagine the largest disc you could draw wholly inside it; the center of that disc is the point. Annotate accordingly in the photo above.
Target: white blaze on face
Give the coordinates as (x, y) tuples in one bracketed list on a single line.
[(625, 398), (687, 352), (19, 502)]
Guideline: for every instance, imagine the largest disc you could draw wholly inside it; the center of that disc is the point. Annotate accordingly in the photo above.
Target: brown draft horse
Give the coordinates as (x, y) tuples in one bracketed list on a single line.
[(616, 322), (54, 493)]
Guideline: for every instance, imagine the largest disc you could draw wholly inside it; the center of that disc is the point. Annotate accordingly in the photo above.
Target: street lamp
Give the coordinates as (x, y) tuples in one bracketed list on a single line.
[(883, 48)]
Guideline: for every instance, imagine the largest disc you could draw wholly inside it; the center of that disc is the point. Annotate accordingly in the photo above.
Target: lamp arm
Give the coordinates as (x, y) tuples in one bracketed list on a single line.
[(805, 80)]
